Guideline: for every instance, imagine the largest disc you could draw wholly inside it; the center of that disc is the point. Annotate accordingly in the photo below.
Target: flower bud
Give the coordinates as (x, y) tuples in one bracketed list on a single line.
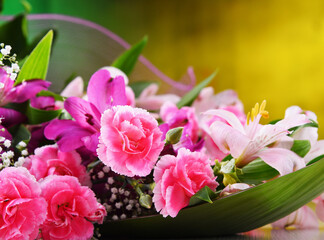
[(173, 135)]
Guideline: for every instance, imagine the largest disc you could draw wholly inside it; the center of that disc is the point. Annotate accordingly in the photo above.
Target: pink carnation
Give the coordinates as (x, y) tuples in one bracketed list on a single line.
[(179, 178), (71, 207), (22, 210), (49, 160), (130, 140)]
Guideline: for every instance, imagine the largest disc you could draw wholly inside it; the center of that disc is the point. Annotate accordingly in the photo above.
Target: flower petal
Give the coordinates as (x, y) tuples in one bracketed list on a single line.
[(27, 90), (85, 113), (283, 160), (67, 133), (105, 92), (11, 117), (228, 139)]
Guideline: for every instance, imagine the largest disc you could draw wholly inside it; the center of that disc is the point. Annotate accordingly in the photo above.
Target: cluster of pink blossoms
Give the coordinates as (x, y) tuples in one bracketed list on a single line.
[(53, 195)]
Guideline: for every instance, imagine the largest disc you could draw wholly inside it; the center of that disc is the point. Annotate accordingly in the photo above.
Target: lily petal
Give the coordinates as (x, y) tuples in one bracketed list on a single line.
[(229, 117), (283, 160), (228, 139)]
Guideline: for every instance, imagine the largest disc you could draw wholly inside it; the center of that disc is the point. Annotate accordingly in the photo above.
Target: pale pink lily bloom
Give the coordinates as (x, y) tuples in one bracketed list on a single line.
[(308, 133), (208, 100), (149, 99), (234, 188), (250, 141), (303, 218)]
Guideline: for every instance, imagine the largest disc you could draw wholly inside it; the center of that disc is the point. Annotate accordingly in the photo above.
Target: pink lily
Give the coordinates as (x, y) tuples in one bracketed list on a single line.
[(208, 100), (149, 99), (103, 93), (303, 218), (250, 141), (16, 94)]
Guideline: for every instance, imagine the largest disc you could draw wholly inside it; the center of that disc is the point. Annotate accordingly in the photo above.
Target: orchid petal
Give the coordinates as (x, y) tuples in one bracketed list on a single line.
[(229, 117), (105, 92), (27, 90), (283, 160), (68, 134), (228, 139), (85, 113), (114, 72), (11, 117)]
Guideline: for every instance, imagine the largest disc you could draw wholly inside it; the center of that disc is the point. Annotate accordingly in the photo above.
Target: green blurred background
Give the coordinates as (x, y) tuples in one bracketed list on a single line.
[(269, 49)]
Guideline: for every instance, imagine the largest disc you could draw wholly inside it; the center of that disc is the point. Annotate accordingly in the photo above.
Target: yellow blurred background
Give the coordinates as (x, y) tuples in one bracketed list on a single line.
[(269, 50)]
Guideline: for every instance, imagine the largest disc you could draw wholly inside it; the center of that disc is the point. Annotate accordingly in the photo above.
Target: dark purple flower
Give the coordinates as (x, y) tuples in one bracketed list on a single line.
[(103, 93)]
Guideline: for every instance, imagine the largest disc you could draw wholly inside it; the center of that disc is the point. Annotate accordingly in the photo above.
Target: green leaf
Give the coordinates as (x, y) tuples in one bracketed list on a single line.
[(126, 62), (1, 5), (301, 147), (37, 116), (19, 133), (56, 96), (203, 195), (310, 124), (14, 33), (139, 86), (315, 160), (256, 172), (188, 99), (240, 212), (36, 64)]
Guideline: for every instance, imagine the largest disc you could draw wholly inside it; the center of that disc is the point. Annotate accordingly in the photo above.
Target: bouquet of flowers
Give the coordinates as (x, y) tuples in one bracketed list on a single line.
[(79, 164)]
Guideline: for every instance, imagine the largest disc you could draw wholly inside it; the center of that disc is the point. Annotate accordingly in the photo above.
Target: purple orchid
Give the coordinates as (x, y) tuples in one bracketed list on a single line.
[(103, 93), (17, 94), (186, 118)]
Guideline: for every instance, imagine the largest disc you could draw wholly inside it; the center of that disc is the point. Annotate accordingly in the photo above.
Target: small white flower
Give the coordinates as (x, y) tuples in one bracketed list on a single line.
[(13, 76), (115, 217), (7, 143), (22, 144), (123, 216), (101, 174), (10, 154), (9, 70), (15, 67), (24, 152), (1, 85), (6, 162), (2, 139), (110, 180), (114, 190)]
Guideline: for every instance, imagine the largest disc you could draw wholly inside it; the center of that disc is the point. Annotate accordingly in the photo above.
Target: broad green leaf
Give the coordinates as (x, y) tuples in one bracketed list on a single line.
[(301, 147), (188, 99), (37, 116), (203, 195), (14, 33), (57, 97), (256, 172), (1, 5), (35, 67), (126, 62), (240, 212), (139, 86)]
